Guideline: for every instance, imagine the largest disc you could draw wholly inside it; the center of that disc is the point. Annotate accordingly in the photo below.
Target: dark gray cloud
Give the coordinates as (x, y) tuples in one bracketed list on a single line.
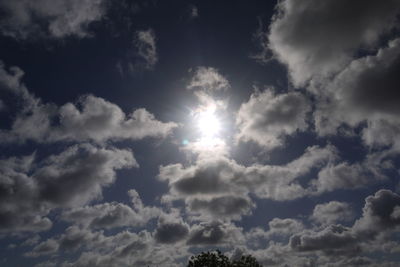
[(146, 49), (379, 214), (218, 176), (222, 207), (267, 118), (317, 39), (366, 90), (335, 50), (74, 177), (171, 229), (24, 19), (47, 247), (214, 233)]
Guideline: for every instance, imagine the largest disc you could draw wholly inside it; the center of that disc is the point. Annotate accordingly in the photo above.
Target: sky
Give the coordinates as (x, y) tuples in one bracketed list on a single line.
[(139, 133)]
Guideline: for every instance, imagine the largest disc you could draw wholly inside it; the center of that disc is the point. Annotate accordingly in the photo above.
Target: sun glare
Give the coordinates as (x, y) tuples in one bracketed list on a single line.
[(208, 123)]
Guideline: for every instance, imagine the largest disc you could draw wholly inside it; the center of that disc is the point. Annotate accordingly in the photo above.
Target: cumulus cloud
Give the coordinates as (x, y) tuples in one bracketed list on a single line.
[(267, 118), (69, 179), (347, 176), (218, 187), (332, 212), (364, 91), (49, 18), (332, 239), (214, 233), (113, 214), (121, 249), (90, 119), (376, 222), (337, 51), (317, 39), (99, 120), (379, 214), (171, 229), (284, 227)]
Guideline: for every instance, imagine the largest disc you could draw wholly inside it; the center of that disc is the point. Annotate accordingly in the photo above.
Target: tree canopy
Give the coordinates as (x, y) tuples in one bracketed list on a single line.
[(218, 259)]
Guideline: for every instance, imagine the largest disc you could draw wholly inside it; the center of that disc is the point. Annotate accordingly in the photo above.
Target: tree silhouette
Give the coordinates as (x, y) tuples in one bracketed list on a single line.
[(217, 259)]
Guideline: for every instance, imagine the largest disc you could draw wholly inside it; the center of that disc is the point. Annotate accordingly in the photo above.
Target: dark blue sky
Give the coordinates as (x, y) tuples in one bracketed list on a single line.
[(138, 133)]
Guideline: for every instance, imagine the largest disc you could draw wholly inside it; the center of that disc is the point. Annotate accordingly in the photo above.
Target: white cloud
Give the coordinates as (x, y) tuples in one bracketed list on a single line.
[(209, 80), (91, 119), (267, 118), (100, 120), (284, 227), (332, 212), (113, 214)]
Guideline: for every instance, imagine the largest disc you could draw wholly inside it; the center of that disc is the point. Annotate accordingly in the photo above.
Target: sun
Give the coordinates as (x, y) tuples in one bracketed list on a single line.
[(208, 123), (208, 126)]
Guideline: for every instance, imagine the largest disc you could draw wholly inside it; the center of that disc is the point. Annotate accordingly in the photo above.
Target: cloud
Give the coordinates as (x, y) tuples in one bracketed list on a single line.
[(113, 214), (317, 39), (31, 241), (209, 80), (47, 247), (336, 51), (218, 187), (222, 207), (49, 18), (74, 177), (100, 120), (10, 83), (171, 229), (379, 214), (207, 188), (364, 91), (90, 119), (347, 176), (284, 227), (267, 118), (333, 239), (332, 212), (214, 233), (194, 12), (373, 229), (121, 249), (145, 44)]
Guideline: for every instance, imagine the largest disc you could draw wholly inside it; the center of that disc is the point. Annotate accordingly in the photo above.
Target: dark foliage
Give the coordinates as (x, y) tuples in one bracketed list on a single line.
[(217, 259)]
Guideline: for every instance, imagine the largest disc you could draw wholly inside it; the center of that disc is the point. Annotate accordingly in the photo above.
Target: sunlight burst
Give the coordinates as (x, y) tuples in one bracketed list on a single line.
[(208, 123)]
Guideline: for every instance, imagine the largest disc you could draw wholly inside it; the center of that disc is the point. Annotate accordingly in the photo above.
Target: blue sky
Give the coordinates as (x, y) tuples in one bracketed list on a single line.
[(139, 133)]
